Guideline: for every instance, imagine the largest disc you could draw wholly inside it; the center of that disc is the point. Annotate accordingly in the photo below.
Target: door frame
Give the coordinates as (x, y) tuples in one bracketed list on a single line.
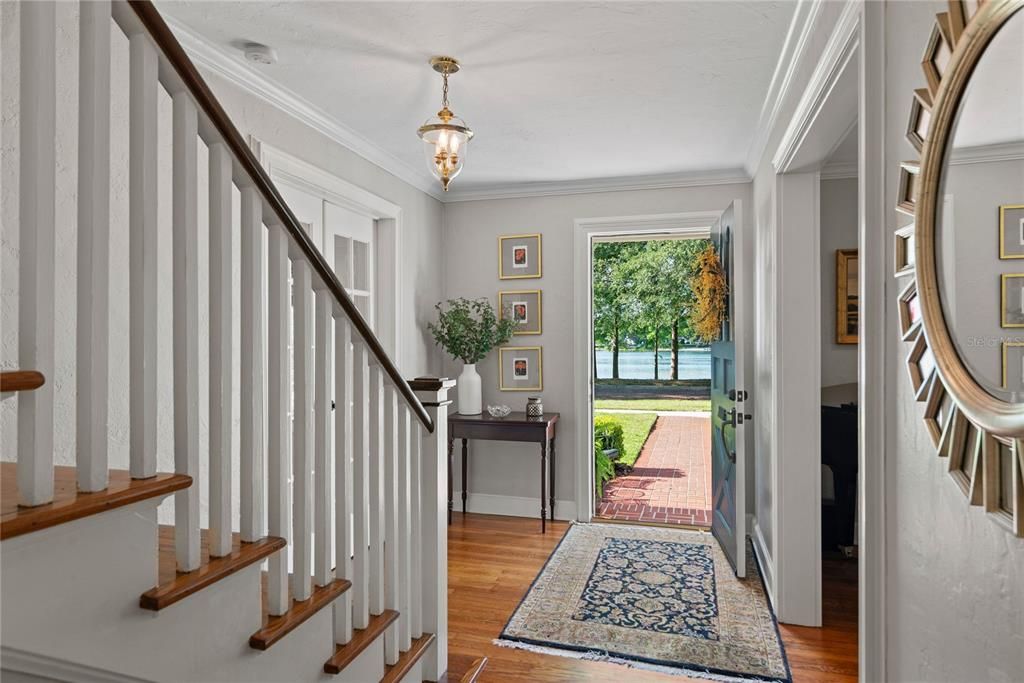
[(692, 224), (388, 227)]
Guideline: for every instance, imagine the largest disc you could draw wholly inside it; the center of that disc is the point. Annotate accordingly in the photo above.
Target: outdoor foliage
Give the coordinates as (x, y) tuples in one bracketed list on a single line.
[(626, 432), (604, 470), (710, 288), (469, 329), (608, 431), (643, 295)]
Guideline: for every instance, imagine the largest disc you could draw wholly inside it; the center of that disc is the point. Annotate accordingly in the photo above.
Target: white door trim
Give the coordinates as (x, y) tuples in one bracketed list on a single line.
[(689, 224), (282, 166)]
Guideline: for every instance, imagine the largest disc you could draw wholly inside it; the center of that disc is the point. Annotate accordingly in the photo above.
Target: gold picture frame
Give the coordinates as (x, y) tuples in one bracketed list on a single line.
[(520, 257), (532, 300), (1005, 319), (847, 297), (521, 368), (1005, 348), (1003, 209)]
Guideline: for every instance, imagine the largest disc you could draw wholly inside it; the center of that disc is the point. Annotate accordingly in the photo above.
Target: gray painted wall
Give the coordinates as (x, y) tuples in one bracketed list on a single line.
[(471, 270), (954, 579), (838, 231)]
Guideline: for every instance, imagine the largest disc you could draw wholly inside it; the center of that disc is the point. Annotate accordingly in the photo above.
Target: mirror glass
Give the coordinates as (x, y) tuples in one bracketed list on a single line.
[(979, 231)]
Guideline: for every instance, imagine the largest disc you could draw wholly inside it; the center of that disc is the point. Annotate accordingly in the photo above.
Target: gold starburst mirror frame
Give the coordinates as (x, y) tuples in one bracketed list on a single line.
[(978, 430)]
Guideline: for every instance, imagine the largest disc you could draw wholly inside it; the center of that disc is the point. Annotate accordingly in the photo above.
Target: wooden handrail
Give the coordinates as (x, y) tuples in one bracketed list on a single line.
[(164, 39)]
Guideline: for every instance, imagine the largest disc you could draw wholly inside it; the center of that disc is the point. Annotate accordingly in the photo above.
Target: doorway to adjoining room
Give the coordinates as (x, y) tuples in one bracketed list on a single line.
[(652, 376)]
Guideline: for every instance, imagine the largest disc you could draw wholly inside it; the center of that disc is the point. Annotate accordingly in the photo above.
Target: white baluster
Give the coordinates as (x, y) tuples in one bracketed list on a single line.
[(376, 559), (142, 248), (434, 569), (404, 542), (278, 392), (186, 328), (36, 260), (302, 436), (416, 531), (93, 343), (220, 350), (252, 446), (361, 484), (343, 474), (323, 482), (392, 548)]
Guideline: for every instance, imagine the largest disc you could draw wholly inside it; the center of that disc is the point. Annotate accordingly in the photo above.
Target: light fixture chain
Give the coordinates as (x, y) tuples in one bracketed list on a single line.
[(444, 92)]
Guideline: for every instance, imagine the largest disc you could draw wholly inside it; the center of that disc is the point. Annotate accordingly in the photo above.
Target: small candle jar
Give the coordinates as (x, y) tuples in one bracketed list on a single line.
[(534, 408)]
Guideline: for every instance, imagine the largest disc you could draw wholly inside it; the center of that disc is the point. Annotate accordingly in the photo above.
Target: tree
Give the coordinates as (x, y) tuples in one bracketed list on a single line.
[(614, 308)]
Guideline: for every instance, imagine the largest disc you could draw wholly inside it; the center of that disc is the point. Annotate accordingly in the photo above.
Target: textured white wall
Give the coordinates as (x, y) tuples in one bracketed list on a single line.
[(471, 238), (421, 253), (838, 231), (954, 579)]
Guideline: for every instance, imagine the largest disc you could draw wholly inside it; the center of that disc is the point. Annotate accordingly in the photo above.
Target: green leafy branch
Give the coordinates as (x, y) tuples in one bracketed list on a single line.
[(468, 329)]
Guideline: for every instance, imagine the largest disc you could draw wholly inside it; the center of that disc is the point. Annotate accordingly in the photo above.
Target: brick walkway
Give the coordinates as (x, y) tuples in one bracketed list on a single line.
[(671, 481)]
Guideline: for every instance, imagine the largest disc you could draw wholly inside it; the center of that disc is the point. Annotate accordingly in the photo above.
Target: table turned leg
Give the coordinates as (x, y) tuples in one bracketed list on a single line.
[(465, 469), (551, 478), (543, 491), (451, 446)]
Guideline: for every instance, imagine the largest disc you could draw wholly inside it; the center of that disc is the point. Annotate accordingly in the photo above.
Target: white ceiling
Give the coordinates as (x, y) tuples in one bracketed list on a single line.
[(556, 91)]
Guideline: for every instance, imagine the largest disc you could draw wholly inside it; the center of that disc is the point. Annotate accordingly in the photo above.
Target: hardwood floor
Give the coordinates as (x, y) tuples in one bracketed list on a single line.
[(493, 560)]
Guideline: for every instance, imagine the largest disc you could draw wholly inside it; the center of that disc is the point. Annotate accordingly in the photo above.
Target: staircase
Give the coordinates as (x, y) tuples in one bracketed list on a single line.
[(301, 534)]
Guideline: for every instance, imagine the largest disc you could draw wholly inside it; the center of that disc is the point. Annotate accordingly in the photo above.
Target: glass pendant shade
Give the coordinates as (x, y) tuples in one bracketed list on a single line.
[(445, 144)]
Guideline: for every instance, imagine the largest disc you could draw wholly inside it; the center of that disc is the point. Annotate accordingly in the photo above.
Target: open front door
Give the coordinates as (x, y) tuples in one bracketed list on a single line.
[(728, 461)]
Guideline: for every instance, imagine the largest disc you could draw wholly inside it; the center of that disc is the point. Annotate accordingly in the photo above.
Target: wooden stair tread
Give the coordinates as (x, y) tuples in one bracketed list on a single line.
[(472, 667), (21, 380), (276, 628), (407, 660), (361, 639), (174, 585), (69, 504)]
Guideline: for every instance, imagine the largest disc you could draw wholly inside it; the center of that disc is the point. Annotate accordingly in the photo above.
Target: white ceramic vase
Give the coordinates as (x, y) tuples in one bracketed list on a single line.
[(470, 399)]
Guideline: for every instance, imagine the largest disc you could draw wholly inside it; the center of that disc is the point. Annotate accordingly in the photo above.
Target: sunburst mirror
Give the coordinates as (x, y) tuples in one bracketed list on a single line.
[(962, 317)]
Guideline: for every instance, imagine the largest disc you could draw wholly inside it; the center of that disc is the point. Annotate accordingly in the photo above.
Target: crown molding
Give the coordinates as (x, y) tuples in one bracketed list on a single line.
[(981, 154), (840, 170), (794, 48), (215, 58), (663, 181)]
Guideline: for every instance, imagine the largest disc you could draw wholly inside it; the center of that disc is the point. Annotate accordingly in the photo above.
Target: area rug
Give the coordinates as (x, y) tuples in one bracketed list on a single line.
[(652, 598)]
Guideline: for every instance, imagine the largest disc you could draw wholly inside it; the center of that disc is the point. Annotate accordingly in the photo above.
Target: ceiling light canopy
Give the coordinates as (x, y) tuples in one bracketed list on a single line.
[(445, 136)]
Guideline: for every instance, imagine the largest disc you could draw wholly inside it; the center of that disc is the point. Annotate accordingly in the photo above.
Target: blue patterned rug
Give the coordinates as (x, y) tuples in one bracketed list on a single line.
[(652, 598)]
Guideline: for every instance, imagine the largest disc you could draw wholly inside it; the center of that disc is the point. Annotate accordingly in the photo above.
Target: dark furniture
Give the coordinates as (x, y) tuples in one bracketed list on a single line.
[(839, 452), (515, 427)]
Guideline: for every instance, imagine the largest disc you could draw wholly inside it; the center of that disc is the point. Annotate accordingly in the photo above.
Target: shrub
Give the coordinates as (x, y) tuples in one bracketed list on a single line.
[(607, 434), (604, 470)]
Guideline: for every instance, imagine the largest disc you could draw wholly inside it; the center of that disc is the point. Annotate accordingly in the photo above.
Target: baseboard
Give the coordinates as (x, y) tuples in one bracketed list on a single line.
[(512, 506), (48, 668), (764, 558)]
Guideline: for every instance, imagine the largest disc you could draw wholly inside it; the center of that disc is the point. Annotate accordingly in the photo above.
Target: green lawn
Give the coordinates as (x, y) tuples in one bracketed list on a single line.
[(635, 428), (683, 404)]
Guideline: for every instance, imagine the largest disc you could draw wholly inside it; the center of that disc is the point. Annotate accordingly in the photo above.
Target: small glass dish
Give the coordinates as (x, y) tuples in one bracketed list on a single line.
[(499, 411)]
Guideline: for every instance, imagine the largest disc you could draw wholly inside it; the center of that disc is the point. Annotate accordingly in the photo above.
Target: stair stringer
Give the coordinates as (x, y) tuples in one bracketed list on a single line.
[(71, 593)]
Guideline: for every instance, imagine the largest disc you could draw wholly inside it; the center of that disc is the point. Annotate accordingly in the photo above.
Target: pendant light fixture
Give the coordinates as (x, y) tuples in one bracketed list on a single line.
[(445, 136)]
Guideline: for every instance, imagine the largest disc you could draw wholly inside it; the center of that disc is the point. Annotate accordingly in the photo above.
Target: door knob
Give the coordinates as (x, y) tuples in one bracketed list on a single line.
[(737, 395)]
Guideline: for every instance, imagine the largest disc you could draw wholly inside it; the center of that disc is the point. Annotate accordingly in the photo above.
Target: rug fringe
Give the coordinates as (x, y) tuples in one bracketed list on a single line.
[(597, 656)]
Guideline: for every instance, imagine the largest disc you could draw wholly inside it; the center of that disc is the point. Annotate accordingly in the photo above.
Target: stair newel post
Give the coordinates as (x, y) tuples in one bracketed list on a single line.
[(323, 484), (252, 447), (93, 345), (221, 386), (404, 543), (185, 193), (302, 436), (36, 217), (433, 393), (343, 506), (361, 408), (278, 394), (392, 547), (376, 496)]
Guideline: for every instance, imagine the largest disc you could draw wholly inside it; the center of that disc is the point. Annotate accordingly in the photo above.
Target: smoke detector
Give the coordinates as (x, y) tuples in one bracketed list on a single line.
[(259, 53)]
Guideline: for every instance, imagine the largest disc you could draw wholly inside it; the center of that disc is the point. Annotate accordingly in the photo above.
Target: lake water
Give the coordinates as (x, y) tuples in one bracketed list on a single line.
[(693, 364)]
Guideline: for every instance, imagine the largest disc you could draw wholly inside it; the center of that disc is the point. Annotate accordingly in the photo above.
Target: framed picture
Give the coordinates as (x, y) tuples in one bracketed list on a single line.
[(524, 307), (1013, 366), (847, 292), (1012, 300), (520, 368), (1011, 231), (519, 257)]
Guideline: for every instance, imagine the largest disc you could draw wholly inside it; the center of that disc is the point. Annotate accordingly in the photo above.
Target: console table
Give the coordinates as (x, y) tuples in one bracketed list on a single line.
[(514, 427)]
